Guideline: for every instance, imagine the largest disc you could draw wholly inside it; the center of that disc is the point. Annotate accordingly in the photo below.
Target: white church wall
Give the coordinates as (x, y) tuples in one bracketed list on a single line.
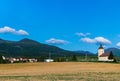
[(103, 59), (100, 52)]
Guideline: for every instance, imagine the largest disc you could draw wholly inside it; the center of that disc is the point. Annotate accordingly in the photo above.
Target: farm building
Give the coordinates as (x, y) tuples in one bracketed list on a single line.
[(102, 56)]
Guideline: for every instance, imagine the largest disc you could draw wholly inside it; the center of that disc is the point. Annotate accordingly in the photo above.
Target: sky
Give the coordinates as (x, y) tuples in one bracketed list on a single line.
[(68, 24)]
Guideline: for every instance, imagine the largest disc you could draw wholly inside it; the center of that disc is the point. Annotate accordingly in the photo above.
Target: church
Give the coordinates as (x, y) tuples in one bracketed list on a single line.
[(105, 57)]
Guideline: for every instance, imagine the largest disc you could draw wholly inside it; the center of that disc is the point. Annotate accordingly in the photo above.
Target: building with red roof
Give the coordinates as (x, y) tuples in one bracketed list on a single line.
[(102, 56)]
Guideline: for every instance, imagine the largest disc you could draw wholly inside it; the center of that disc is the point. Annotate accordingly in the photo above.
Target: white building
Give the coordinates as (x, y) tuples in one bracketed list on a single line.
[(102, 56), (3, 57), (48, 60)]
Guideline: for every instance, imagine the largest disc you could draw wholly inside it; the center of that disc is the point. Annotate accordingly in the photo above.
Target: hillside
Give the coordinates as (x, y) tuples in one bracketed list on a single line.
[(30, 48), (115, 51), (85, 52)]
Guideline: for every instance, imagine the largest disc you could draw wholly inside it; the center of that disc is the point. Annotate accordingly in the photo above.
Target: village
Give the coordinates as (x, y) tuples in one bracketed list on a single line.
[(17, 60), (102, 57)]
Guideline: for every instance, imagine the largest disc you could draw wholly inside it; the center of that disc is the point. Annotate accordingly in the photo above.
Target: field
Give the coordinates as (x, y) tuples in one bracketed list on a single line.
[(62, 71)]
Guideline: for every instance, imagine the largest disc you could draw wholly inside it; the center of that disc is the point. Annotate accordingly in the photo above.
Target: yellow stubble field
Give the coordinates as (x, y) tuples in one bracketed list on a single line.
[(60, 71)]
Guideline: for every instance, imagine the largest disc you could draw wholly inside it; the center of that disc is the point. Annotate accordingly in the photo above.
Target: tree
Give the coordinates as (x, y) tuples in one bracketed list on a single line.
[(74, 58), (111, 56), (1, 59)]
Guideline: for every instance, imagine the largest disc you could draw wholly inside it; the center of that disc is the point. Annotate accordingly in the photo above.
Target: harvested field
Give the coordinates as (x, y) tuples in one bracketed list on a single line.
[(60, 71)]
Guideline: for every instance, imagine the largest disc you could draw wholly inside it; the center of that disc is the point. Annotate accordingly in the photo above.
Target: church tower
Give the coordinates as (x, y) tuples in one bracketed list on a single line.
[(100, 50)]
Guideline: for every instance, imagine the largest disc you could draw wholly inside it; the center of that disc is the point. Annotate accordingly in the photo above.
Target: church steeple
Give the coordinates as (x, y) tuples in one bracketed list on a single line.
[(100, 50), (101, 47)]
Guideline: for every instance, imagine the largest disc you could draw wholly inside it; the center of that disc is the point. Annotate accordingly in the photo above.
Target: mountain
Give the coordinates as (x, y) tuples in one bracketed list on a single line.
[(85, 52), (115, 51), (4, 41), (31, 48)]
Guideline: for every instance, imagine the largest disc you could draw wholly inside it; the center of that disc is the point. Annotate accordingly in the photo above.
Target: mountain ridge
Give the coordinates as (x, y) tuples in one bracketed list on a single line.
[(31, 48), (84, 52), (115, 51)]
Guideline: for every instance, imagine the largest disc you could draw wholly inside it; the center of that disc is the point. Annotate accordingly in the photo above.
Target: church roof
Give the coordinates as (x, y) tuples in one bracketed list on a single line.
[(105, 54), (101, 47)]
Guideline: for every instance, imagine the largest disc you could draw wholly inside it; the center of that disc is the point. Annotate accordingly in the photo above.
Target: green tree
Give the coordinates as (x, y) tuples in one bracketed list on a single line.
[(1, 59), (74, 58)]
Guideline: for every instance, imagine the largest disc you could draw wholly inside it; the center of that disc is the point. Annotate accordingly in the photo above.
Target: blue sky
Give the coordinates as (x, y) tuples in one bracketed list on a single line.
[(69, 24)]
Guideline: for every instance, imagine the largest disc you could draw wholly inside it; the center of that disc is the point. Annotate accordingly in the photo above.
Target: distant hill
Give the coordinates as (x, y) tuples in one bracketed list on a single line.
[(85, 52), (31, 48), (115, 51)]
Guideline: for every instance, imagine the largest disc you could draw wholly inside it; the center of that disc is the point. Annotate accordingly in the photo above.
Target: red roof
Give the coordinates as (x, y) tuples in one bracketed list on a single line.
[(105, 54)]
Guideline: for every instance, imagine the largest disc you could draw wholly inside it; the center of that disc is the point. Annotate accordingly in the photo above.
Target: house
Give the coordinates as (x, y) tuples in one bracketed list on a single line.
[(32, 60), (106, 57), (3, 57), (48, 60), (17, 60)]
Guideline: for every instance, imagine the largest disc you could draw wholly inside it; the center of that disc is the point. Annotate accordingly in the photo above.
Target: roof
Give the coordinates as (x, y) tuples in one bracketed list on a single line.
[(105, 54), (101, 47)]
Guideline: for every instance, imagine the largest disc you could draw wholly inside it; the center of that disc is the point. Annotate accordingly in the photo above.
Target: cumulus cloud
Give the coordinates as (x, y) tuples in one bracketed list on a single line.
[(88, 40), (101, 40), (56, 41), (7, 29), (22, 32), (118, 44), (82, 34)]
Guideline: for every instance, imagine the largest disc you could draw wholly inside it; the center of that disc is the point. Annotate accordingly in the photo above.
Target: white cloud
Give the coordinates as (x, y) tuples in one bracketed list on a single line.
[(56, 41), (102, 40), (88, 40), (82, 34), (118, 44), (22, 32), (96, 40), (7, 29)]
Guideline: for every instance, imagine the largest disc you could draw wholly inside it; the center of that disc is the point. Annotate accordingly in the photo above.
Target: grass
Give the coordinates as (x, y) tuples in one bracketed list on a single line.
[(63, 71)]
